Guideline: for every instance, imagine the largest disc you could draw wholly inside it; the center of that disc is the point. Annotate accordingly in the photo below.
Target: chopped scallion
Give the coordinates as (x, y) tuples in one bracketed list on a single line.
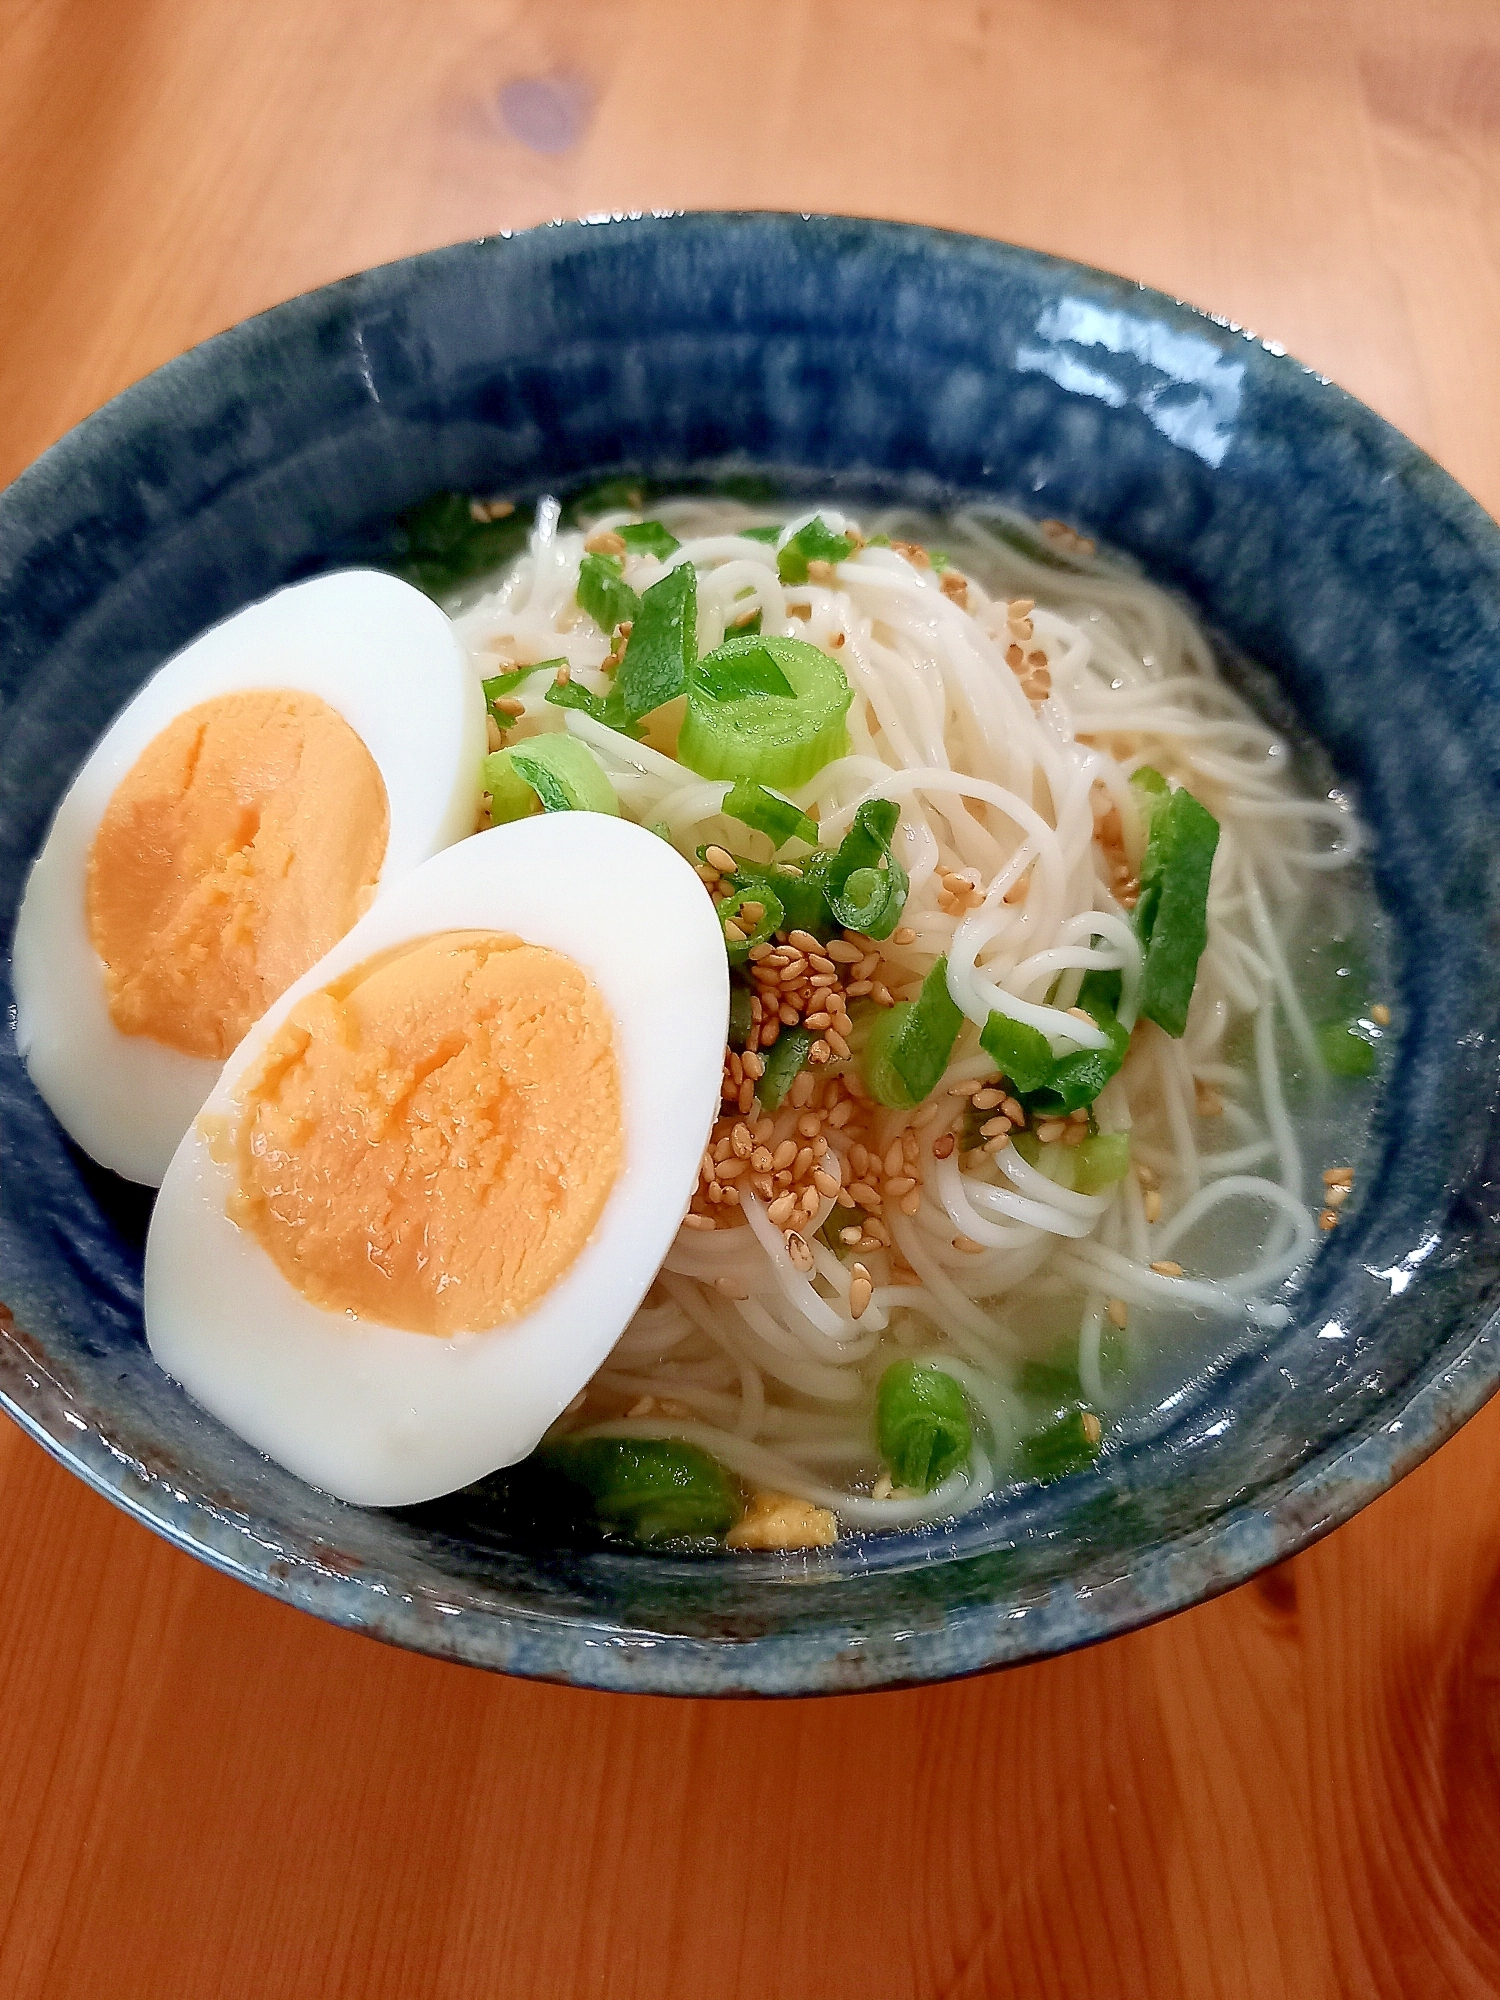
[(604, 594), (1070, 1443), (922, 1425), (755, 929), (558, 770), (663, 643), (649, 538), (651, 1489), (1172, 914), (866, 883), (910, 1043), (813, 542), (777, 818), (758, 733), (784, 1060)]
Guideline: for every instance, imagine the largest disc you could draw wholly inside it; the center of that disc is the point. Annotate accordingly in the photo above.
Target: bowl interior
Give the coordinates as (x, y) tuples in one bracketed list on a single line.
[(846, 357)]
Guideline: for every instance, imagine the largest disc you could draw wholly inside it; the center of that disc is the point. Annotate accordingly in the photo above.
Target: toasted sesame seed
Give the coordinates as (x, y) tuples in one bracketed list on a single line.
[(509, 704), (824, 967), (826, 1185), (820, 1052), (993, 1125), (1119, 1313), (840, 1115), (605, 542), (752, 913), (942, 1148), (864, 1196), (1151, 1202), (968, 1246), (858, 990), (822, 1019), (987, 1098), (861, 1291), (1338, 1177), (730, 1170), (911, 1201), (882, 996), (733, 932), (1328, 1218), (719, 857), (819, 571), (851, 1235), (1014, 1112), (892, 1159), (784, 1155), (1335, 1197), (843, 951), (780, 1211), (998, 1143), (1091, 1427), (746, 1096), (1015, 659), (798, 1250), (1020, 607), (802, 1090), (899, 1185), (1380, 1014), (699, 1222), (1051, 1130), (1165, 1268), (753, 1066)]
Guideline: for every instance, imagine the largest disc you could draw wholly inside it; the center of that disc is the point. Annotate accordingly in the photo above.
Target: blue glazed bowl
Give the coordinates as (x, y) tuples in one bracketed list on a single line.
[(865, 357)]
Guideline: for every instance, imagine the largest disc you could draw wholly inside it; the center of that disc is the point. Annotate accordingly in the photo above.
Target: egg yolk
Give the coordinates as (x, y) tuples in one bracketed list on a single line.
[(241, 845), (430, 1141)]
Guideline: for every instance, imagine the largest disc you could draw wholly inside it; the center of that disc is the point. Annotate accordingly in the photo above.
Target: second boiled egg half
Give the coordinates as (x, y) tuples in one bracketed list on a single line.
[(234, 821), (432, 1185)]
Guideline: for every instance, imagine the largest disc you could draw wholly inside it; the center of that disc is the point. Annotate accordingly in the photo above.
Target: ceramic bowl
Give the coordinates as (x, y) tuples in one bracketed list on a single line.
[(862, 357)]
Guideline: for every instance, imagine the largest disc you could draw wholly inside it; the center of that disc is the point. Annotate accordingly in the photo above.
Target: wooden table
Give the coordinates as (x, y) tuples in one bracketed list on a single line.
[(1294, 1791)]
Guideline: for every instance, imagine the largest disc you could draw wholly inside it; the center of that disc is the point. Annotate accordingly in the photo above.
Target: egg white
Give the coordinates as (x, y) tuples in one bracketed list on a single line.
[(388, 661), (385, 1417)]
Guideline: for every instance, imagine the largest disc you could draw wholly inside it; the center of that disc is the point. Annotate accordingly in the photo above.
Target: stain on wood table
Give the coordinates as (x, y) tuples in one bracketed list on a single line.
[(1294, 1791)]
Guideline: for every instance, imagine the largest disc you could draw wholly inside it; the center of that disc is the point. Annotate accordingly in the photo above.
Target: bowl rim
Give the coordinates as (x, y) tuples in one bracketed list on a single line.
[(1215, 1556)]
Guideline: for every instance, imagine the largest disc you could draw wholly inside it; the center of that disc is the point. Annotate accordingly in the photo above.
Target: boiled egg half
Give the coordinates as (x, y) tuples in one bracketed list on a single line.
[(237, 817), (432, 1185)]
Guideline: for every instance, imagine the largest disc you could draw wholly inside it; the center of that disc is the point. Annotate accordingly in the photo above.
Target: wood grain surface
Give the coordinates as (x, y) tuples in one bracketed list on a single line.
[(1292, 1792)]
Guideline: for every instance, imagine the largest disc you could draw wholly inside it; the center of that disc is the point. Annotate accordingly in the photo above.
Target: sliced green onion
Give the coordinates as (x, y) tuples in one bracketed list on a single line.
[(507, 683), (604, 594), (798, 887), (784, 1061), (559, 770), (624, 492), (439, 544), (1022, 1054), (732, 671), (663, 643), (774, 739), (1052, 1383), (649, 538), (814, 542), (910, 1043), (839, 1219), (771, 534), (1070, 1443), (781, 821), (651, 1489), (922, 1425), (740, 1017), (756, 929), (1101, 1162), (608, 709), (1172, 914), (1077, 1079), (866, 883), (1346, 1050)]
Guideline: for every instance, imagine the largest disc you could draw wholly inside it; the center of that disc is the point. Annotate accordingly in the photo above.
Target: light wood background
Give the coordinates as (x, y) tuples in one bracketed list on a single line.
[(1292, 1792)]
